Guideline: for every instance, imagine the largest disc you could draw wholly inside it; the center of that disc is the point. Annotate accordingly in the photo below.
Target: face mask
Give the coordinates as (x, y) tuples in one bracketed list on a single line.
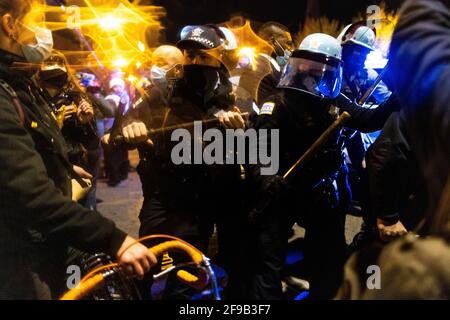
[(201, 79), (42, 49), (283, 54), (283, 60), (157, 74), (55, 78)]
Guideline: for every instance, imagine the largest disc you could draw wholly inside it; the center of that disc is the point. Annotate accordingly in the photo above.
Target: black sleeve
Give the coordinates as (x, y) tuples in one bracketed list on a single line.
[(419, 61), (135, 114), (151, 109), (27, 189), (419, 57), (263, 124), (268, 86), (365, 119), (387, 163), (86, 133), (106, 108)]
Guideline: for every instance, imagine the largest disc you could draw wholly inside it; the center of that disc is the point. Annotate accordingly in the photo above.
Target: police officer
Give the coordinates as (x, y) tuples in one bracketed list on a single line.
[(167, 67), (38, 219), (185, 200), (302, 111), (279, 37), (358, 41)]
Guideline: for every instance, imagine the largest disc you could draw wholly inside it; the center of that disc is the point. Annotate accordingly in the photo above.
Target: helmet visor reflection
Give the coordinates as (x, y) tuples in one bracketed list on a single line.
[(321, 77)]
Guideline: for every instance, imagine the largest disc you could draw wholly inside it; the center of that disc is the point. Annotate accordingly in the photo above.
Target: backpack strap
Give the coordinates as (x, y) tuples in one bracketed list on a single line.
[(15, 99), (20, 111)]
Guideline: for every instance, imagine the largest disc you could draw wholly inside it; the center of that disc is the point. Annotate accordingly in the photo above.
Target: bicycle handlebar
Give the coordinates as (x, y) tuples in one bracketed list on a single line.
[(89, 284)]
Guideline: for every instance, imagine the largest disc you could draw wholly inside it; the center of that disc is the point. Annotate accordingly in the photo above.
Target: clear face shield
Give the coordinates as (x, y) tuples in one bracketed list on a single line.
[(314, 74)]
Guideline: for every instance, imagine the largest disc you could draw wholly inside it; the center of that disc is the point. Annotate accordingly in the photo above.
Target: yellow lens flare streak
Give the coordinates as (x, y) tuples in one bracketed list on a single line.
[(110, 23), (251, 50), (141, 46), (121, 62), (108, 34), (247, 38)]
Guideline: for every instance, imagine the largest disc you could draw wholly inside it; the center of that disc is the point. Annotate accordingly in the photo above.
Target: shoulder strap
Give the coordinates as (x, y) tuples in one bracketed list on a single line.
[(20, 111), (15, 99)]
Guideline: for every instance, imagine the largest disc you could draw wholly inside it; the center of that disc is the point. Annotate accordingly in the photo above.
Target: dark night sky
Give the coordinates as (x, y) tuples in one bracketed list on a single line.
[(290, 12)]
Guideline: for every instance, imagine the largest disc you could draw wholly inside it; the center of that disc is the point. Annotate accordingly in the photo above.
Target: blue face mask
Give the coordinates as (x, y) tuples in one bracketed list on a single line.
[(42, 49), (283, 60), (158, 75)]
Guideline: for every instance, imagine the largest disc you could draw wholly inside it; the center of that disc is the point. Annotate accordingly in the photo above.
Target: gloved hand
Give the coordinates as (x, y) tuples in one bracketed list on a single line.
[(272, 189), (342, 100), (325, 192), (274, 186)]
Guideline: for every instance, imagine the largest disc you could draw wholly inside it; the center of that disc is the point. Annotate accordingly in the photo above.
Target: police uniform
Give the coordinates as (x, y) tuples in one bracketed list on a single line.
[(187, 200), (195, 187), (38, 220), (311, 199), (305, 108), (358, 40)]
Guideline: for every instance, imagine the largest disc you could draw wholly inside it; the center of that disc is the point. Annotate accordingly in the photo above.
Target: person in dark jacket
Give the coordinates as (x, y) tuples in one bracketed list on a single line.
[(419, 65), (38, 220), (397, 190), (74, 113), (419, 59)]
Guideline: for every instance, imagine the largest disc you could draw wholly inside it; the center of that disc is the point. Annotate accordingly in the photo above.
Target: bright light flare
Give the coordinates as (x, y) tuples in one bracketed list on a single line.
[(110, 23), (132, 79), (141, 46), (376, 60), (247, 57), (121, 62), (113, 33)]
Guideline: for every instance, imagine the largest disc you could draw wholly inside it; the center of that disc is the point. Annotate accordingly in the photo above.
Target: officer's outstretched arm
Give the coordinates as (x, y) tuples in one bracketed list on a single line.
[(264, 123), (365, 119)]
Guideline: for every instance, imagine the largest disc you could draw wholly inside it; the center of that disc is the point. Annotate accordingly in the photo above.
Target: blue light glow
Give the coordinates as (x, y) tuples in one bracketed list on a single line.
[(294, 257), (302, 296), (376, 60)]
